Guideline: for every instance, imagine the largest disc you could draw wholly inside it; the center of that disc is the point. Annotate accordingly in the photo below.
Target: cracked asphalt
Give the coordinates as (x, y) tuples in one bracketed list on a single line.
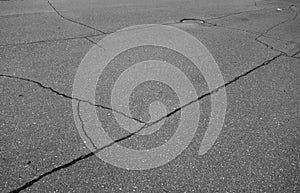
[(256, 44)]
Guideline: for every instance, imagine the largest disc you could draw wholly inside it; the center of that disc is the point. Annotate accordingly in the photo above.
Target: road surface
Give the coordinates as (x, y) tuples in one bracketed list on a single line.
[(255, 43)]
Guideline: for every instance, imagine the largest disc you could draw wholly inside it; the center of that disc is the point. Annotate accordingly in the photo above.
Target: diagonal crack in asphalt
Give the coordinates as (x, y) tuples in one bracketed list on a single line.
[(146, 125), (74, 21)]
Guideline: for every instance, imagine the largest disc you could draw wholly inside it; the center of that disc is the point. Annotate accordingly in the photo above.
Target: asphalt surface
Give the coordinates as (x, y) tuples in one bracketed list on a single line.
[(256, 45)]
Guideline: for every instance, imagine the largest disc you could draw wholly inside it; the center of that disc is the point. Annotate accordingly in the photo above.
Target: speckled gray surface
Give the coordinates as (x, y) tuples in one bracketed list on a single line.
[(52, 63), (257, 149)]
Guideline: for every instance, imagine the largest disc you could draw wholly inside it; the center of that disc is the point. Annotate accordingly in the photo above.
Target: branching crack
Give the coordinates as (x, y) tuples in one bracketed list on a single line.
[(278, 24), (294, 55), (146, 125), (149, 124), (69, 97), (264, 34), (273, 27), (88, 39)]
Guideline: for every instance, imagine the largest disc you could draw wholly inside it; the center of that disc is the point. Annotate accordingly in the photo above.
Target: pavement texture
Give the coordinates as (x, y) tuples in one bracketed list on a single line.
[(256, 44)]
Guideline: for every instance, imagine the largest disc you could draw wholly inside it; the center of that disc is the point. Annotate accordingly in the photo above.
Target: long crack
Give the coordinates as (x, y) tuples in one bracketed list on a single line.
[(50, 40), (176, 110), (146, 125), (73, 21)]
